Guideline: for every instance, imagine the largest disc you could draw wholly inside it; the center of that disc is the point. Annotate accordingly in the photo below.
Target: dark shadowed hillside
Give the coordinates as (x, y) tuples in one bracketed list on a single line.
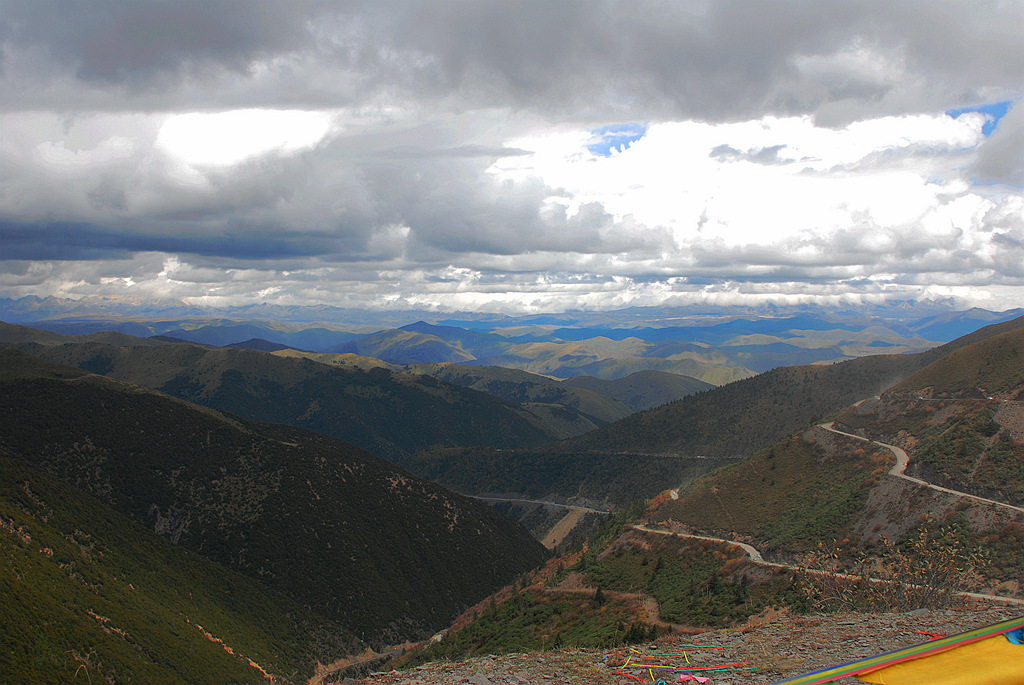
[(514, 385), (603, 480), (383, 553), (93, 596)]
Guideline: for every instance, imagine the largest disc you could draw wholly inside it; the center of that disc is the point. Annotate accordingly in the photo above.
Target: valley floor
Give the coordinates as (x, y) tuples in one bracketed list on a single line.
[(777, 643)]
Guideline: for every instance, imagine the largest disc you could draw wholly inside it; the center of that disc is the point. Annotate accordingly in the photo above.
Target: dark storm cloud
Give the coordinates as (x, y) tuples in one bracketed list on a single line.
[(725, 59), (76, 241), (705, 60), (127, 41)]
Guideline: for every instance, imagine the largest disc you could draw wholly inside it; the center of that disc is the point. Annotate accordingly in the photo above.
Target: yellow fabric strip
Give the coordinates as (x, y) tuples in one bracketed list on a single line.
[(992, 661)]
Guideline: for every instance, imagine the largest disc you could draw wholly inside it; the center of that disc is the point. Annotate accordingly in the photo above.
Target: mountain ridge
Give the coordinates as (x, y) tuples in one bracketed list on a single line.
[(267, 500)]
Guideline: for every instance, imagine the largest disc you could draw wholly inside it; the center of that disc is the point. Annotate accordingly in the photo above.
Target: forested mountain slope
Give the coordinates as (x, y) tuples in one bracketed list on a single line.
[(383, 553), (512, 385), (653, 450)]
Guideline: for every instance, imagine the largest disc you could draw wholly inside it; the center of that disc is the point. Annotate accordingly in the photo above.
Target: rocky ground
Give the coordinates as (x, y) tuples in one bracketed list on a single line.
[(774, 644)]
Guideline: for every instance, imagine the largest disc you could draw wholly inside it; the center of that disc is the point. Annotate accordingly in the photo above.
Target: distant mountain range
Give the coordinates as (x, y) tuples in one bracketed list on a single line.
[(713, 345), (388, 409), (911, 313)]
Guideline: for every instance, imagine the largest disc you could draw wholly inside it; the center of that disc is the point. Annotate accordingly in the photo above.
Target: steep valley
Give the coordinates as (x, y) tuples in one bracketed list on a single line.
[(384, 554)]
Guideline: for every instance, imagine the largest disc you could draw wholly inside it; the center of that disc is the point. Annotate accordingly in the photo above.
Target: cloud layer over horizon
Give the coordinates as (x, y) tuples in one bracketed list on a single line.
[(512, 157)]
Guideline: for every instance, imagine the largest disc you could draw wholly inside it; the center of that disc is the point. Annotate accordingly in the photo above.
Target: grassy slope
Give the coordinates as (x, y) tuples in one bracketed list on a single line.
[(789, 496), (968, 431), (990, 366), (619, 591), (87, 591), (319, 520), (818, 486)]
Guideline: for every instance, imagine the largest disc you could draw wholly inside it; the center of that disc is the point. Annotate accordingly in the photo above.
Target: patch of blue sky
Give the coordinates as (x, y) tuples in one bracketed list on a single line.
[(993, 113), (618, 137)]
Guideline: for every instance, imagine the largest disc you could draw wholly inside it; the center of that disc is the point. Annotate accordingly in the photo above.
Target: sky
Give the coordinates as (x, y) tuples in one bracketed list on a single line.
[(512, 157)]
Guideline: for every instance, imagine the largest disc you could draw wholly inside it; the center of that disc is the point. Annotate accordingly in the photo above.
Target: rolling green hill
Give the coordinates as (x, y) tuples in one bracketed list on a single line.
[(335, 528), (405, 347), (606, 358)]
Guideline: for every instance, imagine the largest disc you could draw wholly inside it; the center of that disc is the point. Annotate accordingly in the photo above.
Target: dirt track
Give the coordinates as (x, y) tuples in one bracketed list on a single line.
[(903, 459)]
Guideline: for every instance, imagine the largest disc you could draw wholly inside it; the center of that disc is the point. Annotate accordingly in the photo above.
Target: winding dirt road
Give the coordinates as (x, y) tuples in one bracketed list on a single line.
[(749, 549), (899, 470), (756, 557)]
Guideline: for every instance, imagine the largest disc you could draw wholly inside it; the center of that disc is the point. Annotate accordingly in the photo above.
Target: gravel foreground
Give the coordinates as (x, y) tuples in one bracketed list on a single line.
[(777, 643)]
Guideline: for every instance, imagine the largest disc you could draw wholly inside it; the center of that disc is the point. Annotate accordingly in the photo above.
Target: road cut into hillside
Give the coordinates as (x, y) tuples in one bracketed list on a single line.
[(757, 558), (903, 460)]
